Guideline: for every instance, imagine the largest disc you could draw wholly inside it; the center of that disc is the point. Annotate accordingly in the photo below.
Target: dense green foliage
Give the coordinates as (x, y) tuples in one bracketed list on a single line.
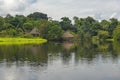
[(89, 27), (116, 33), (84, 28), (66, 23), (52, 31)]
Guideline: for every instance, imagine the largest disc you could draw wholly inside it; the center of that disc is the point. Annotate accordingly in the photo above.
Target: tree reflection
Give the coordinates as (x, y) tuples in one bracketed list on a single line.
[(51, 51), (22, 53)]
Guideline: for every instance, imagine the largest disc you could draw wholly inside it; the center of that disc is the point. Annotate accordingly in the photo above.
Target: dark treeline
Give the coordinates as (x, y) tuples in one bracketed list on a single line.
[(83, 28)]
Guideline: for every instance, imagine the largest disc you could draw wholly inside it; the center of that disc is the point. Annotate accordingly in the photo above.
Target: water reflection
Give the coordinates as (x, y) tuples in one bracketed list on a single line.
[(41, 54), (60, 61)]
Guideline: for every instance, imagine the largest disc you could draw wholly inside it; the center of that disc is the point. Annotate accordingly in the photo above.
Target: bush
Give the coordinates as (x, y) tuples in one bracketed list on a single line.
[(27, 35), (103, 34)]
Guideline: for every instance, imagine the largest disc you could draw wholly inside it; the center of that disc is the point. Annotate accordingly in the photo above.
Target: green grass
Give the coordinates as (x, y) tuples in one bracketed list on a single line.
[(8, 41)]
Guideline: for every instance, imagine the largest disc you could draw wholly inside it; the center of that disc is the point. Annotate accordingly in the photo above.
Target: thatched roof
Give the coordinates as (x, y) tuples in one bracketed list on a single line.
[(67, 34), (35, 31)]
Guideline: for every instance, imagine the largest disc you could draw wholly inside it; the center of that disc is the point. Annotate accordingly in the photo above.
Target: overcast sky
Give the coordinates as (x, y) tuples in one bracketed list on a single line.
[(99, 9)]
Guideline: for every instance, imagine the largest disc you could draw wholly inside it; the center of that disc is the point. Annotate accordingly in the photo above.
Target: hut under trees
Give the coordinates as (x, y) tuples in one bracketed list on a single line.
[(35, 32), (67, 36)]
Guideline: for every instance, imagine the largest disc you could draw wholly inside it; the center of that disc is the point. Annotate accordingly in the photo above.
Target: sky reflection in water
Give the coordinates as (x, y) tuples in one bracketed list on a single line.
[(60, 61)]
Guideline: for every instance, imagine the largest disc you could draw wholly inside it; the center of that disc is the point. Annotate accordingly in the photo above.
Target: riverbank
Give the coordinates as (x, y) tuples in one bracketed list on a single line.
[(22, 41)]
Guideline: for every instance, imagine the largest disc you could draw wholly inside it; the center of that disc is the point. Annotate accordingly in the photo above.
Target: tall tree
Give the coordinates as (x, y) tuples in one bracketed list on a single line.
[(87, 27), (66, 23), (37, 16), (1, 23), (105, 25), (52, 31), (113, 25), (16, 21), (116, 33)]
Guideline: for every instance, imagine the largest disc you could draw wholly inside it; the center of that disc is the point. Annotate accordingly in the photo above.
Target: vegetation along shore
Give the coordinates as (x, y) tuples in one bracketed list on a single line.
[(38, 24)]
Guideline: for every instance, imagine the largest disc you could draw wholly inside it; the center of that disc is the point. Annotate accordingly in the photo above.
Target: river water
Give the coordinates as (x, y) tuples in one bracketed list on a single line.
[(60, 61)]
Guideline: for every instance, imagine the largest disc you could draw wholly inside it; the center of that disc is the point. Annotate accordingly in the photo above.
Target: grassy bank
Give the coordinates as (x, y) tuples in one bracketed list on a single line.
[(22, 40)]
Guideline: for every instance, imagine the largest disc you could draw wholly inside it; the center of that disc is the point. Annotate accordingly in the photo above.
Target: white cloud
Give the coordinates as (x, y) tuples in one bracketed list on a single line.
[(14, 6), (113, 15), (100, 9)]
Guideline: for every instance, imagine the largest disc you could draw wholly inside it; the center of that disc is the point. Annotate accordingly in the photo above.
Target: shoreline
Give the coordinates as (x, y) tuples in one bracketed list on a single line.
[(21, 41)]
